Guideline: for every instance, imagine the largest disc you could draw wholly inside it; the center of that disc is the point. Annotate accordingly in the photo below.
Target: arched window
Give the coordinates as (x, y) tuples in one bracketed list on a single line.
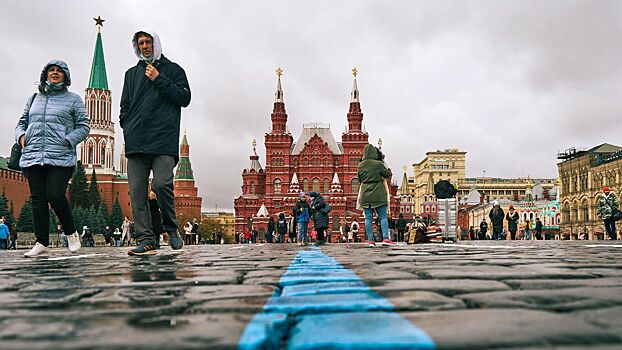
[(252, 188), (102, 155), (277, 186), (316, 161), (427, 208), (326, 185), (305, 185), (336, 161), (355, 185), (316, 185)]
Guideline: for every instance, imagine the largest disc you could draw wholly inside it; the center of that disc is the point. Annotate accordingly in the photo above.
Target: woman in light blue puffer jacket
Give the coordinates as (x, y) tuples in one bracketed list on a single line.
[(50, 128)]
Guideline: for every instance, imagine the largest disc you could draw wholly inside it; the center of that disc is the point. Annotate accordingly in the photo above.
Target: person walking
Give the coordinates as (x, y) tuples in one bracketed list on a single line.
[(496, 216), (512, 218), (355, 231), (281, 227), (401, 227), (125, 227), (472, 236), (373, 193), (154, 91), (527, 228), (4, 236), (606, 207), (116, 236), (53, 123), (194, 237), (301, 212), (270, 229), (483, 229), (539, 229), (320, 210)]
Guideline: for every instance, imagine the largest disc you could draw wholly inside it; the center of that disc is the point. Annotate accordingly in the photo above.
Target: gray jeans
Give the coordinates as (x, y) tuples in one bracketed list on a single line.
[(139, 167)]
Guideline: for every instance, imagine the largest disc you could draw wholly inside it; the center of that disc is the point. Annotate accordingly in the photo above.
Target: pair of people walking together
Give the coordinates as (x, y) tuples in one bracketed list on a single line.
[(54, 122)]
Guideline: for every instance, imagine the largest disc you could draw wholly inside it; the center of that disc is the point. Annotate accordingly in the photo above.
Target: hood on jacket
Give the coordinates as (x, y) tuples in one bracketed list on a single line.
[(157, 46), (313, 194), (370, 152), (44, 73)]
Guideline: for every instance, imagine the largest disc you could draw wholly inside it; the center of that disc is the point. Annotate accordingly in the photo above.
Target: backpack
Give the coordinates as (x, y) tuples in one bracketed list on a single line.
[(355, 227)]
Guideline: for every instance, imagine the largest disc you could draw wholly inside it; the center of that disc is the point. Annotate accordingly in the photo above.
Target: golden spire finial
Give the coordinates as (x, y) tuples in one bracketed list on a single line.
[(355, 72), (99, 22), (279, 72), (405, 168), (254, 143)]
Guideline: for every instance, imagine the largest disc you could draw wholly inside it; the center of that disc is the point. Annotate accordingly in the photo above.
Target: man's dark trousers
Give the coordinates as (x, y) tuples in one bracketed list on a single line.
[(610, 226), (139, 167)]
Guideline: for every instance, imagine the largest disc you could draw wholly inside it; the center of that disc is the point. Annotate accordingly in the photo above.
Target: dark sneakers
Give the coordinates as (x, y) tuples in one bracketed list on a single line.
[(145, 248), (175, 241)]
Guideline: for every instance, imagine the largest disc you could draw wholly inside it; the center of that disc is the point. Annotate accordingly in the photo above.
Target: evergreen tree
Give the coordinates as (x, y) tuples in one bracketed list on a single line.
[(116, 217), (102, 212), (78, 219), (95, 198), (25, 223), (77, 189), (4, 205), (92, 221), (53, 221), (11, 217)]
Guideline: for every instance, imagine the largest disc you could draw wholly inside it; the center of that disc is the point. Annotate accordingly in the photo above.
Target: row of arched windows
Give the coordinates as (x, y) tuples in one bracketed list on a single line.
[(315, 185)]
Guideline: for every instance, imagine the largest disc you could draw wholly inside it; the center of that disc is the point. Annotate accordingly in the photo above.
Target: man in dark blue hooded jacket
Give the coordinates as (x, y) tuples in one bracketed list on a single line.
[(153, 93)]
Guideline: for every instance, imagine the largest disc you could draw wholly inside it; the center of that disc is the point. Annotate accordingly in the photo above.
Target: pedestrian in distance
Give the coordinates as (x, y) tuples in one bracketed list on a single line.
[(512, 218), (374, 194), (4, 236), (483, 229), (116, 236), (527, 227), (539, 229), (271, 228), (302, 213), (355, 231), (401, 227), (154, 91), (607, 210), (319, 210), (195, 232), (496, 216), (281, 227), (52, 124), (472, 235)]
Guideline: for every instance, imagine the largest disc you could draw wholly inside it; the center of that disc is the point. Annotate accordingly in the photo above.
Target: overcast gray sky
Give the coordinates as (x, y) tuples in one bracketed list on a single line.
[(510, 82)]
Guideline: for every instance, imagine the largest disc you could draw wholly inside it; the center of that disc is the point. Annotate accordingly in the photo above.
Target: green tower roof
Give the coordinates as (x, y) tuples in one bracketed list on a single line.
[(184, 169), (98, 78)]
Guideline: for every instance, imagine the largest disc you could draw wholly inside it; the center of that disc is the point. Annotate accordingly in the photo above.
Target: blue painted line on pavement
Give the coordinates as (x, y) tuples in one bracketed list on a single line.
[(323, 305)]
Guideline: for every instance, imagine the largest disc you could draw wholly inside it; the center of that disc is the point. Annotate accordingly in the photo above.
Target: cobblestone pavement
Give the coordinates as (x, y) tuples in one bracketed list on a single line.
[(474, 295)]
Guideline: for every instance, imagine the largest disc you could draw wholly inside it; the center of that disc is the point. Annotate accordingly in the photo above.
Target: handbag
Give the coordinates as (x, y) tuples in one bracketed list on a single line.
[(16, 150), (616, 215)]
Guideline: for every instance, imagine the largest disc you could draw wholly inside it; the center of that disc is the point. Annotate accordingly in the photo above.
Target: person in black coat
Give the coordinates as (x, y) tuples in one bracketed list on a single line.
[(154, 91), (496, 216), (320, 216), (281, 227), (512, 218), (538, 229), (270, 230), (401, 227), (483, 229)]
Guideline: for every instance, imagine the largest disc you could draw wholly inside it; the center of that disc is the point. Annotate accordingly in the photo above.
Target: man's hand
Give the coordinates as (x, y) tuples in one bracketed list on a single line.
[(151, 72), (21, 141)]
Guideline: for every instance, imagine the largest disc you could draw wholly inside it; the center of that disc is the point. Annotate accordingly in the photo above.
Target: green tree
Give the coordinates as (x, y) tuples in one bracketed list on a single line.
[(208, 229), (53, 221), (78, 219), (77, 189), (116, 217), (11, 217), (95, 198), (4, 205), (25, 222), (103, 214)]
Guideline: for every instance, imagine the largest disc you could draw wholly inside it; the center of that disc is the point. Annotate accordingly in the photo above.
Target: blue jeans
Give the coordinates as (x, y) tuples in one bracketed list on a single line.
[(384, 224), (302, 232), (3, 243)]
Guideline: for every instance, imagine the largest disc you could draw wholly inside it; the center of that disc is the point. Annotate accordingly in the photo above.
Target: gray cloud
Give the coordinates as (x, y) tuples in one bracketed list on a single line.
[(509, 82)]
